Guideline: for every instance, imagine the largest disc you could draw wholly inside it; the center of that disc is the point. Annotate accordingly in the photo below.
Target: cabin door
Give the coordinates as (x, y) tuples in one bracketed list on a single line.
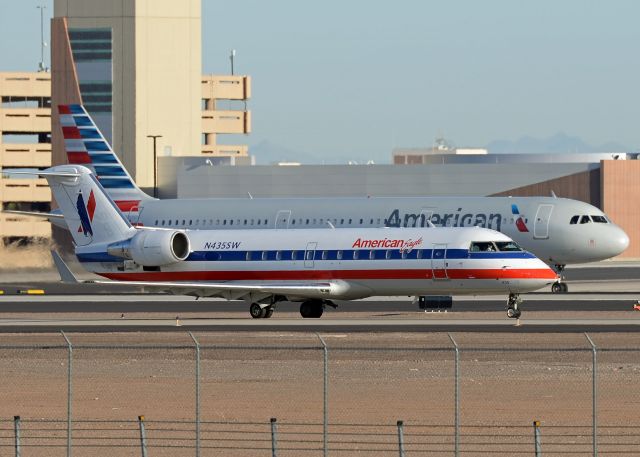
[(310, 254), (282, 219), (439, 262), (541, 224)]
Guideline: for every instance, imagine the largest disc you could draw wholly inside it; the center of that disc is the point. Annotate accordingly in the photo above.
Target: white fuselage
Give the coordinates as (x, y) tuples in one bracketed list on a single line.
[(355, 263), (541, 225)]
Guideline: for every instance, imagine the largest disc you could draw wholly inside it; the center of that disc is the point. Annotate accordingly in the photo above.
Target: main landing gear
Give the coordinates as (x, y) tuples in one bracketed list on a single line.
[(513, 306), (315, 308), (260, 312), (560, 287)]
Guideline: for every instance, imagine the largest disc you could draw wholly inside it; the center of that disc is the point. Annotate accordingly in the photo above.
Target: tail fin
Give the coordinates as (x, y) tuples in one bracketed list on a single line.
[(85, 145), (92, 217)]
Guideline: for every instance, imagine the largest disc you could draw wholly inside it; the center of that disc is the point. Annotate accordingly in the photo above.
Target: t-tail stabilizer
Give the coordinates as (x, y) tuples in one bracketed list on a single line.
[(86, 145), (92, 217)]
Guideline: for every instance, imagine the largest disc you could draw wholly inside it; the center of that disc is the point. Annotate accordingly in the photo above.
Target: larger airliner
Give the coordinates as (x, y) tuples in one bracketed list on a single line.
[(559, 231), (312, 266)]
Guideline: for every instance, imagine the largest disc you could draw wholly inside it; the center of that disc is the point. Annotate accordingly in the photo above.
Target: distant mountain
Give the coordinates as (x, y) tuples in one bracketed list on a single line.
[(559, 143), (268, 153)]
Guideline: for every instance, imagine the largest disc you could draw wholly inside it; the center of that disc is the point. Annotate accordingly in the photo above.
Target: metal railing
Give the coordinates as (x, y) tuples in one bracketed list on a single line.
[(444, 400)]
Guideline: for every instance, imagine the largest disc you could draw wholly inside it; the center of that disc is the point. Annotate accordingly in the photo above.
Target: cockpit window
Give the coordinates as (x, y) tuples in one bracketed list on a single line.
[(599, 219), (574, 220), (482, 246), (507, 246), (585, 220)]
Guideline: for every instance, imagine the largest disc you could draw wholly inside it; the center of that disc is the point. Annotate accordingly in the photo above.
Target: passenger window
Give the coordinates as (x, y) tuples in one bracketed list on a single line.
[(245, 222), (156, 222), (341, 221), (294, 255), (339, 255), (507, 246), (163, 222), (372, 254), (355, 255), (387, 254), (307, 222), (585, 220), (266, 221), (314, 222), (223, 222), (265, 256), (253, 221), (259, 221), (278, 255), (325, 255), (309, 255), (183, 222), (419, 254), (574, 220), (217, 221), (293, 222), (248, 256), (230, 222), (404, 254), (599, 219), (360, 221), (371, 222)]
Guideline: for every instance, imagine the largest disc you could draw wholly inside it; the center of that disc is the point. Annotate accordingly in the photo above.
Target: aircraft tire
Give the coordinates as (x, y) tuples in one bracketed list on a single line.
[(311, 309), (269, 312), (564, 288), (556, 288), (257, 312)]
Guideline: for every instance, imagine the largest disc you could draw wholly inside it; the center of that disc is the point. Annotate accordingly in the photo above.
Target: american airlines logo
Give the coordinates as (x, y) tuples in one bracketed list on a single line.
[(386, 243), (453, 219)]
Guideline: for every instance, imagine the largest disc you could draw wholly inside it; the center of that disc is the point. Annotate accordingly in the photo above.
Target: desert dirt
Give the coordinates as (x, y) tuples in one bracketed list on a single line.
[(506, 382)]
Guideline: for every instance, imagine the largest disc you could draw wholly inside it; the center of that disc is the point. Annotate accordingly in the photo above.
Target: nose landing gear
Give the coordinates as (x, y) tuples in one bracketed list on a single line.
[(559, 287), (513, 306)]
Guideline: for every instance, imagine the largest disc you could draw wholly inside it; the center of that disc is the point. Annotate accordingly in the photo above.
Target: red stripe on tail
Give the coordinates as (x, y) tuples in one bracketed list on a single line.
[(79, 157), (127, 205), (71, 133), (64, 109)]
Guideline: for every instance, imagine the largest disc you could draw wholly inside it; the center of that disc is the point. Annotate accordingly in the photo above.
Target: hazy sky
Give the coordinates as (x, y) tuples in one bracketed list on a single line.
[(352, 80)]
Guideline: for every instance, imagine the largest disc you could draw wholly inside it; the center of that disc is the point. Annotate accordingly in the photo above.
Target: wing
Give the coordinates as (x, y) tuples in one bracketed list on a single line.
[(230, 290)]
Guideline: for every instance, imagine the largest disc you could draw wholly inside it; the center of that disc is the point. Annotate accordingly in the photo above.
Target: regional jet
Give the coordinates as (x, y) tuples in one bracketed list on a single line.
[(265, 266), (559, 231)]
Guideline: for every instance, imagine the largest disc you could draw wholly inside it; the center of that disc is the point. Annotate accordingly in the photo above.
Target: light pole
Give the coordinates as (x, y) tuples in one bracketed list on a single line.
[(41, 66), (231, 57), (155, 165)]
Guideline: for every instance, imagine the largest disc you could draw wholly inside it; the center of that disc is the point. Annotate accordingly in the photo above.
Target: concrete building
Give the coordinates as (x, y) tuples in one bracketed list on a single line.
[(25, 142), (136, 66)]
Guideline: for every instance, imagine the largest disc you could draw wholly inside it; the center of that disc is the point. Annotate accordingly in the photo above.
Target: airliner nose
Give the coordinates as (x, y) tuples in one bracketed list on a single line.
[(619, 240)]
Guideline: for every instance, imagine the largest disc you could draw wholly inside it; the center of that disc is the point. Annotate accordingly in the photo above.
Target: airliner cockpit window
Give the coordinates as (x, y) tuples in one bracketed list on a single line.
[(507, 246), (482, 246), (599, 219), (574, 220), (585, 220)]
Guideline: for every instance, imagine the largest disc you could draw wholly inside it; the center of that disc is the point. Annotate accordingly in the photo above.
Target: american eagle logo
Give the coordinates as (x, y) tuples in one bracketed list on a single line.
[(86, 213)]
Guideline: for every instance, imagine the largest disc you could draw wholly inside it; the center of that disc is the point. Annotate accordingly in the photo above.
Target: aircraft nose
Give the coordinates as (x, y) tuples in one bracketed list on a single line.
[(619, 240)]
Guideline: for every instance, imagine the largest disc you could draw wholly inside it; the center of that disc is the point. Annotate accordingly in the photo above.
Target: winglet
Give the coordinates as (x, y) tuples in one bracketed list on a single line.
[(63, 270)]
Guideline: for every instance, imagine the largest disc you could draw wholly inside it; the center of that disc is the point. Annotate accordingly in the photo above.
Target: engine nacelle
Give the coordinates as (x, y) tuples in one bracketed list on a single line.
[(154, 248)]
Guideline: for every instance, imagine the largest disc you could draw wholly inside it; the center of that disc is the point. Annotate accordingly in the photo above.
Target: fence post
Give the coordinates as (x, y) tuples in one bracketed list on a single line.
[(197, 393), (69, 390), (325, 399), (456, 394), (16, 431), (274, 438), (594, 394), (143, 436), (401, 438), (536, 439)]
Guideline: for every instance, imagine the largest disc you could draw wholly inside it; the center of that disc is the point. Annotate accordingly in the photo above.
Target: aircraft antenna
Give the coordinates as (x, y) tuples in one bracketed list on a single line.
[(330, 224), (250, 196)]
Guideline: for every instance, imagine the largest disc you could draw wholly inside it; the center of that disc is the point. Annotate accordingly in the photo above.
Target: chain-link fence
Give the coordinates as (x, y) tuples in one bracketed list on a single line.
[(318, 395)]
